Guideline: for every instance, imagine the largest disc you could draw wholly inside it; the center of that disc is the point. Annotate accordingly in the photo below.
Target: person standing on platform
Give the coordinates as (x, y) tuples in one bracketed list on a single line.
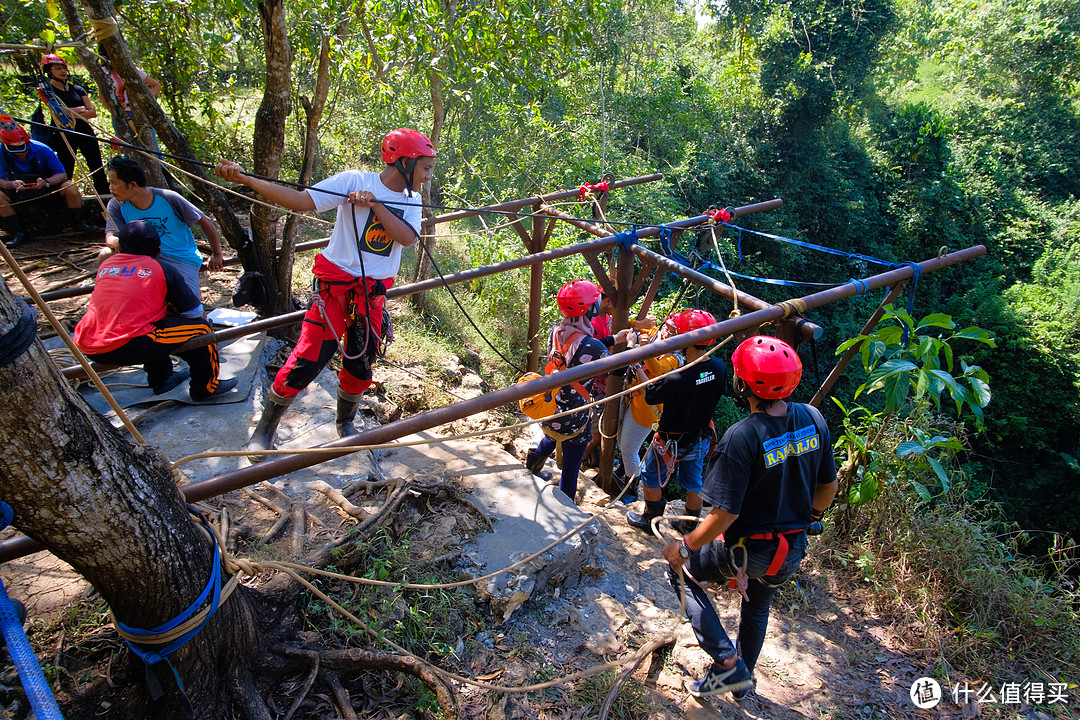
[(378, 213)]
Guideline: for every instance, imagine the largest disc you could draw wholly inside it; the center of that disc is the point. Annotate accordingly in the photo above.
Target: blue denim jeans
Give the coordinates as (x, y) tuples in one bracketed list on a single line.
[(573, 452), (688, 468), (713, 563)]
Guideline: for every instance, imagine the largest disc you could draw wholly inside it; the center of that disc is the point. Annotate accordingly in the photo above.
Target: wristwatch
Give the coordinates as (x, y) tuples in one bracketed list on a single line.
[(684, 549)]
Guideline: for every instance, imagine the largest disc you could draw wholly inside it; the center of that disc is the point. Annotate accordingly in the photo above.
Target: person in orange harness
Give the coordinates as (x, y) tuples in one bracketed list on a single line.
[(774, 475), (126, 322), (571, 343), (377, 215)]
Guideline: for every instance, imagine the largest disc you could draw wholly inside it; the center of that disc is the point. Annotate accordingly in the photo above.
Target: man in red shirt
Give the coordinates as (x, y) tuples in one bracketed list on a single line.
[(127, 324)]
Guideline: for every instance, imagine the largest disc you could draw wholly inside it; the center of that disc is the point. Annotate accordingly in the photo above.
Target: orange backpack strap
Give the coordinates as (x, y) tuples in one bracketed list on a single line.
[(554, 366)]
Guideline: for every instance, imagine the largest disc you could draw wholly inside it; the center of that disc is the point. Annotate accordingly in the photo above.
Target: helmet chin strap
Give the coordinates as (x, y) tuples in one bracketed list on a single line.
[(592, 311), (740, 389), (406, 166)]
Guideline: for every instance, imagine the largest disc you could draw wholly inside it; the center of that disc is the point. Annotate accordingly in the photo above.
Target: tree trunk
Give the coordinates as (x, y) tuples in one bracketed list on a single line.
[(144, 104), (426, 246), (267, 148), (313, 111), (112, 511), (124, 129)]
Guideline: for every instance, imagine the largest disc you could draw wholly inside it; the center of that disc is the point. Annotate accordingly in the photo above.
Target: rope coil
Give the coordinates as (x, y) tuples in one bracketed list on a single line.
[(20, 337)]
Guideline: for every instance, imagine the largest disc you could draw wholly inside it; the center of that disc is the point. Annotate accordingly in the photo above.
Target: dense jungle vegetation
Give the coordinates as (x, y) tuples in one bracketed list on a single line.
[(891, 128)]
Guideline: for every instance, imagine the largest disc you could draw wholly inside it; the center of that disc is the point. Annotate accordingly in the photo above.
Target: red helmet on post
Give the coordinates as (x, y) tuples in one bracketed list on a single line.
[(576, 297), (52, 59), (769, 366), (405, 143), (688, 320)]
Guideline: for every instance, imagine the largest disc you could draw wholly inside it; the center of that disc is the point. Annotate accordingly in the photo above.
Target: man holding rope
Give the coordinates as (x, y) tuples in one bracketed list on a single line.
[(377, 215), (76, 101), (774, 475), (684, 432)]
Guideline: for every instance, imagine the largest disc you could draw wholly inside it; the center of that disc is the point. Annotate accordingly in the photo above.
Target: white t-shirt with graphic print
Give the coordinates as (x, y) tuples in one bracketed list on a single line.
[(381, 255)]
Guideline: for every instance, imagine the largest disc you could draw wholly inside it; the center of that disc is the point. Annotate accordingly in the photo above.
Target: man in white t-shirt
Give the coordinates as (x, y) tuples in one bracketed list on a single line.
[(377, 215)]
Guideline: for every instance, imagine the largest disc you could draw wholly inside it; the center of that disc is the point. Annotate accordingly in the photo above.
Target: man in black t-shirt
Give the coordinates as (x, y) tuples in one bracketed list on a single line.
[(81, 108), (682, 439), (774, 475)]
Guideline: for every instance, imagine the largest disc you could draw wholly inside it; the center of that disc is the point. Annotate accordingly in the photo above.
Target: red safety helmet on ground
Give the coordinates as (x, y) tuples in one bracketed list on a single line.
[(769, 366), (12, 134), (576, 297), (688, 320), (406, 143), (52, 59)]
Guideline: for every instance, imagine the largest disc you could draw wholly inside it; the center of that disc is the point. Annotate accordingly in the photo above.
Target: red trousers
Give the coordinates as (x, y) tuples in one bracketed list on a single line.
[(348, 315)]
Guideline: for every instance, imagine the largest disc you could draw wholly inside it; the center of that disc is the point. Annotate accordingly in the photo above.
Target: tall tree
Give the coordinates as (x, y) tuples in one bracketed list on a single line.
[(268, 145), (102, 11), (111, 510)]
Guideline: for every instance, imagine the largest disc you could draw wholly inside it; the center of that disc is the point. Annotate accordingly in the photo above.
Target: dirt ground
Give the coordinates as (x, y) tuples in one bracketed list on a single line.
[(826, 654)]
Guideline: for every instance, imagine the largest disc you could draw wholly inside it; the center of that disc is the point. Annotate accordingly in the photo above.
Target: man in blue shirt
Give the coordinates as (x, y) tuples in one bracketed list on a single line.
[(170, 214), (30, 170)]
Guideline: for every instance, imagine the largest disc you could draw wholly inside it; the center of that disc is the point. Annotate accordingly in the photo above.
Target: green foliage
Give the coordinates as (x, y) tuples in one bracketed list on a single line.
[(902, 355), (906, 438)]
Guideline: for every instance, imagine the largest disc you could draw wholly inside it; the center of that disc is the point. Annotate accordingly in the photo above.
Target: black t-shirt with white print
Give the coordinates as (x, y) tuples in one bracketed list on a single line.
[(767, 469)]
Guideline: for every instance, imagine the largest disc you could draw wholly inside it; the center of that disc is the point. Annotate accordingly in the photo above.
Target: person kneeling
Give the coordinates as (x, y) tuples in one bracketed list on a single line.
[(126, 321)]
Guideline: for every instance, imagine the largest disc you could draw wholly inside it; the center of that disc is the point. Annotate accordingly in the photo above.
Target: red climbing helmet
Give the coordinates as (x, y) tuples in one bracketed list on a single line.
[(688, 320), (12, 134), (405, 143), (576, 297), (52, 59), (769, 366)]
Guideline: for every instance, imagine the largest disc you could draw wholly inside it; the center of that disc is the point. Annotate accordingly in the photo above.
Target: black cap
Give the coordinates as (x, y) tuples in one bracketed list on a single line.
[(139, 237)]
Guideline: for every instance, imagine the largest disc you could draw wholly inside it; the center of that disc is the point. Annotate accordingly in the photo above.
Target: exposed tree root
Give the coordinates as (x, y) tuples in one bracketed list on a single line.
[(305, 690), (339, 499), (627, 671), (341, 695), (355, 659)]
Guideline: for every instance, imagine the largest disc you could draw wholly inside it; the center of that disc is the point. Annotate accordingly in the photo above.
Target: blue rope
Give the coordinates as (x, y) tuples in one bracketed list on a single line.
[(22, 655), (665, 248), (861, 286), (768, 281), (627, 238), (153, 657), (810, 246), (916, 273), (19, 338)]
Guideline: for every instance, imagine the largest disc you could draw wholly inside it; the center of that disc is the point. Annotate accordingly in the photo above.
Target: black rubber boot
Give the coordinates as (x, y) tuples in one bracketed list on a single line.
[(535, 465), (653, 508), (17, 232), (684, 526), (347, 405), (78, 220), (263, 437)]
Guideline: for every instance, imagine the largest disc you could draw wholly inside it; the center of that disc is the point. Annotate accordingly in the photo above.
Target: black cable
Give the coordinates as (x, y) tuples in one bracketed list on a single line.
[(466, 313), (300, 186)]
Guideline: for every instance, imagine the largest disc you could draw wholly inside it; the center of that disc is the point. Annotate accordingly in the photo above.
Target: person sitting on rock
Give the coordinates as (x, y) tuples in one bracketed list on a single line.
[(127, 321), (30, 170)]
